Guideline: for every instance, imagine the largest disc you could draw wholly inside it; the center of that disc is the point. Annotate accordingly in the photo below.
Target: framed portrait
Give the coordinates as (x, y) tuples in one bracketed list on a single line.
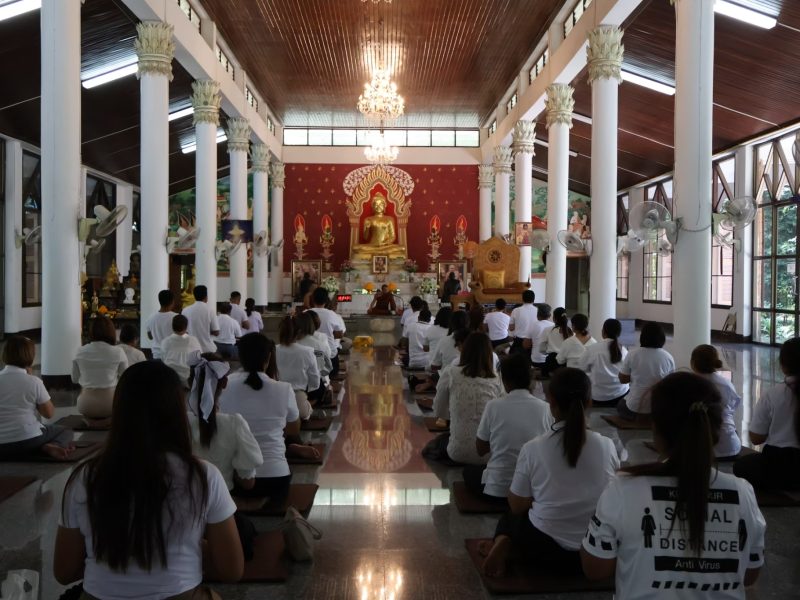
[(380, 264), (522, 233), (304, 271), (459, 267)]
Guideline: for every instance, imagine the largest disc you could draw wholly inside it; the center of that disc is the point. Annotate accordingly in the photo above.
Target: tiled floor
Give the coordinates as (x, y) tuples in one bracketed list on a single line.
[(390, 531)]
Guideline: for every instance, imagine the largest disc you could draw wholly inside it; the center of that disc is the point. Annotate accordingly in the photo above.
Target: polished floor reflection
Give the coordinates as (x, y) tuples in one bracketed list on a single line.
[(390, 530)]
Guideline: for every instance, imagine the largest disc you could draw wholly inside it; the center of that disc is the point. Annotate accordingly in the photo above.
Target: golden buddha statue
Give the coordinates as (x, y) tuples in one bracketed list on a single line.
[(380, 232)]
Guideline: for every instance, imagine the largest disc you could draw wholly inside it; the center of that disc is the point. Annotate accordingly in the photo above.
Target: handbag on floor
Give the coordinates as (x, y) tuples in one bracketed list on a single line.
[(299, 535)]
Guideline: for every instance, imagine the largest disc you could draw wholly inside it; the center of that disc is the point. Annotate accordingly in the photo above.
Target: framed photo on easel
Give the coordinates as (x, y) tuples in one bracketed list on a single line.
[(308, 270), (380, 264), (459, 267)]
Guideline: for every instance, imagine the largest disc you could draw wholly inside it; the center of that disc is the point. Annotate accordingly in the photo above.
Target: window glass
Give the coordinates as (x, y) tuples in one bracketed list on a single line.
[(395, 137), (468, 138), (31, 219), (319, 137), (442, 137), (419, 137), (295, 137), (657, 273), (100, 192), (344, 137)]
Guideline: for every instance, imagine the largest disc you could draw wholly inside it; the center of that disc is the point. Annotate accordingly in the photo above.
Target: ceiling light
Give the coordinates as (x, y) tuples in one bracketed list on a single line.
[(118, 71), (651, 84), (380, 100), (180, 113), (18, 7), (380, 152), (747, 15), (192, 146)]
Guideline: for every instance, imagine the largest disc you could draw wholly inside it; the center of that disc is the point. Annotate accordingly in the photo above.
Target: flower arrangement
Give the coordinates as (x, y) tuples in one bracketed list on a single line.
[(369, 286), (410, 266), (331, 284), (392, 287), (428, 286), (347, 266)]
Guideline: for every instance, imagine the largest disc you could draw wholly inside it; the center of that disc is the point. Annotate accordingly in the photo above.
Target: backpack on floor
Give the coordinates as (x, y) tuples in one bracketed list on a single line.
[(299, 535)]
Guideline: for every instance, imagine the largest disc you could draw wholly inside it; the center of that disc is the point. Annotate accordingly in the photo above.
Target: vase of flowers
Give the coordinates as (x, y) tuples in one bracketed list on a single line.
[(331, 284), (410, 266), (347, 267), (427, 289)]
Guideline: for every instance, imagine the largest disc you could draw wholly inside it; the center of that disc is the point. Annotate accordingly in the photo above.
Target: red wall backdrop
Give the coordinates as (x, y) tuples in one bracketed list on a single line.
[(316, 189)]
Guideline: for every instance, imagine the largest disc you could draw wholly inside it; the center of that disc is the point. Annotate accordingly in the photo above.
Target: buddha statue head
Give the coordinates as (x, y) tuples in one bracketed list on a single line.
[(379, 203)]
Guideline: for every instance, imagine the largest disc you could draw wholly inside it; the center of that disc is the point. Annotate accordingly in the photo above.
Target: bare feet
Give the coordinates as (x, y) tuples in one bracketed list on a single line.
[(495, 563), (424, 387), (302, 451), (57, 452)]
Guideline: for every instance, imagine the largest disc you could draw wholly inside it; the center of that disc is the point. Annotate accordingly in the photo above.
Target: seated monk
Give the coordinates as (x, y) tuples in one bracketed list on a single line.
[(380, 232), (383, 303)]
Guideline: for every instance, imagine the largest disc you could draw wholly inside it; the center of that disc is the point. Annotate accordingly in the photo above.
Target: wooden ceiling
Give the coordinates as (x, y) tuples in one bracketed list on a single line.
[(452, 59)]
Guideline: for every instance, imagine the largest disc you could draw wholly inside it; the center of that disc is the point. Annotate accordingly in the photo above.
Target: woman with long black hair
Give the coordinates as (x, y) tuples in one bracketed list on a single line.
[(601, 362), (678, 524), (145, 518)]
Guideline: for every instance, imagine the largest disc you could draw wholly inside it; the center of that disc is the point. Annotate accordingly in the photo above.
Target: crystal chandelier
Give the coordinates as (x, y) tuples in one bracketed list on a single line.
[(380, 100), (381, 152)]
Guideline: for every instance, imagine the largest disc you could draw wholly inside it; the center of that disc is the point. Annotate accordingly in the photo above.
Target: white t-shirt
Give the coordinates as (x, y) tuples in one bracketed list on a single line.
[(233, 447), (432, 336), (537, 333), (184, 540), (417, 357), (646, 367), (552, 342), (407, 317), (20, 394), (467, 398), (330, 322), (134, 355), (564, 497), (774, 416), (497, 323), (256, 322), (267, 411), (522, 317), (176, 350), (331, 352), (634, 524), (321, 352), (239, 314), (445, 352), (507, 424), (229, 330), (297, 366), (98, 365), (572, 351), (596, 362), (202, 321), (159, 326), (729, 443)]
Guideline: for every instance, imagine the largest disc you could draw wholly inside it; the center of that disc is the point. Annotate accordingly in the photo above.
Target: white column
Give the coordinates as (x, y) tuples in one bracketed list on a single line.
[(206, 102), (61, 184), (155, 49), (238, 145), (502, 190), (604, 54), (524, 136), (485, 183), (259, 158), (743, 257), (691, 262), (559, 104), (276, 232)]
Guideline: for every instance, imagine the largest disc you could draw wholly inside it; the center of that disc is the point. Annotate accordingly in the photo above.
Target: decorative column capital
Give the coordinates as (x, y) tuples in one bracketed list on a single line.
[(485, 176), (278, 173), (155, 48), (238, 134), (502, 159), (559, 104), (524, 137), (259, 158), (206, 101), (604, 53)]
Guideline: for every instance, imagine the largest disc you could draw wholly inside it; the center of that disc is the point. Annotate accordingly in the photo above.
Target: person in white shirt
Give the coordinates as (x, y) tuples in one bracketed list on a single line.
[(203, 323), (270, 409), (643, 367), (23, 400), (253, 316), (601, 362), (344, 344), (331, 325), (144, 518), (574, 346), (558, 478), (180, 349), (306, 329), (496, 323), (537, 334), (229, 332), (506, 425), (439, 329), (97, 367), (417, 330), (297, 365), (238, 313), (446, 349), (677, 528), (159, 325), (776, 424), (410, 314), (551, 344), (128, 340), (706, 362), (521, 318)]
